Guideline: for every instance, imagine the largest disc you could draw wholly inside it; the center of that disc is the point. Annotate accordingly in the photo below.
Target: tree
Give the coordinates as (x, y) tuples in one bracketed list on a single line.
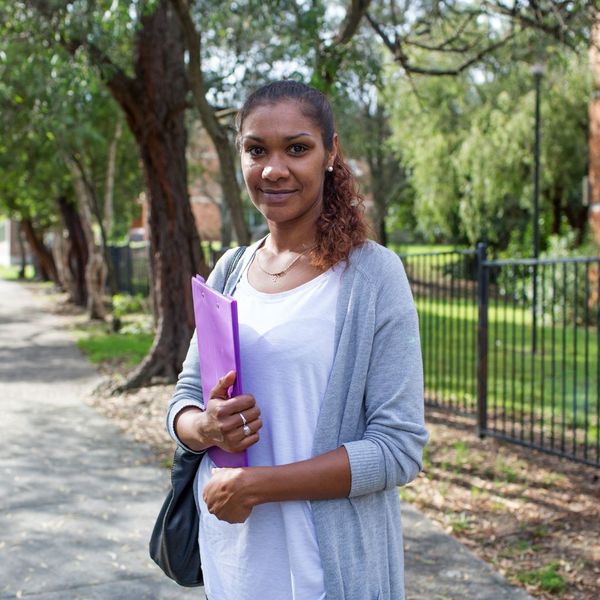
[(468, 144), (56, 115), (449, 37), (28, 186), (216, 130), (153, 97)]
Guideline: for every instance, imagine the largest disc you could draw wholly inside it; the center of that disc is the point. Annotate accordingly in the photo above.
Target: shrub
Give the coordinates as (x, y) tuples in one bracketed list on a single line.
[(125, 304)]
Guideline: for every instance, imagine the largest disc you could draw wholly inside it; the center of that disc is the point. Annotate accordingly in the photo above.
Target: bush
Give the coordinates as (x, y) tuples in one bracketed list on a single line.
[(564, 292), (125, 304), (567, 292)]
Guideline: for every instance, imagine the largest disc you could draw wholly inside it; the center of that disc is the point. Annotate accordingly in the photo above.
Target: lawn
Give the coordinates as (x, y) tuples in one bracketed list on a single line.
[(558, 384), (117, 351), (126, 349), (12, 273)]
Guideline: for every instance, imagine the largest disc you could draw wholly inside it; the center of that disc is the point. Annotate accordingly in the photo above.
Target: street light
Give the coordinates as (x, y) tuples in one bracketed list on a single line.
[(537, 70)]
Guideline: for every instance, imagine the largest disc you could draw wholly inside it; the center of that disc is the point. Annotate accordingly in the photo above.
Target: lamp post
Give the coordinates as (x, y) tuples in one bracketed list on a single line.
[(537, 70)]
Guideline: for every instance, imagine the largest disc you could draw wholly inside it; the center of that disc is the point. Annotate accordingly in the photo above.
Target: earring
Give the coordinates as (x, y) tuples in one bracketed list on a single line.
[(330, 169)]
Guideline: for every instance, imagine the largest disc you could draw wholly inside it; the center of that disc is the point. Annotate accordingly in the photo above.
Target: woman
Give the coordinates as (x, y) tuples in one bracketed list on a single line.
[(332, 420)]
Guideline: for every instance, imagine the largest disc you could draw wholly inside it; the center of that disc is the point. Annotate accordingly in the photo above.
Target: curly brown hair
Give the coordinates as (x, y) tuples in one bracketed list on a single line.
[(341, 225)]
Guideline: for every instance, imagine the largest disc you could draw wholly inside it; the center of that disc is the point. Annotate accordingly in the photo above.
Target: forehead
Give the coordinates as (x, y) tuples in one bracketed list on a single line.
[(283, 118)]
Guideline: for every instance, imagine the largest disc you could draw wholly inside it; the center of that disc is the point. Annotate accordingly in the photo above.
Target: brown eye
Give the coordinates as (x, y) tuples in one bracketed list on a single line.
[(255, 151), (297, 148)]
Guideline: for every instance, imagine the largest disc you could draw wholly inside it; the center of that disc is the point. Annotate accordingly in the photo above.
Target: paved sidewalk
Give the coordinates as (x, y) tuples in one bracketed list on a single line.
[(78, 500)]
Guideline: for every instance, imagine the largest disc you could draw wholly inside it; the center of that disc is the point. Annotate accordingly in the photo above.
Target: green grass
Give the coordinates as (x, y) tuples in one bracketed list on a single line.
[(102, 346), (421, 248), (459, 522), (552, 384), (547, 578), (12, 273)]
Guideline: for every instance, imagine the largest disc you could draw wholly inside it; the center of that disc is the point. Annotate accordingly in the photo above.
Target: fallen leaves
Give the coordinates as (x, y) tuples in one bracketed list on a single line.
[(534, 517)]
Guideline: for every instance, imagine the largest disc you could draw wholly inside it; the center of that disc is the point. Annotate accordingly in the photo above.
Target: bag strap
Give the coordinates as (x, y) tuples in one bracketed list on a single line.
[(235, 259)]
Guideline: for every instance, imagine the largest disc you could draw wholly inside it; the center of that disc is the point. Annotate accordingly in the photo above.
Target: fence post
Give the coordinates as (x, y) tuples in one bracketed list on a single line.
[(482, 338), (129, 269)]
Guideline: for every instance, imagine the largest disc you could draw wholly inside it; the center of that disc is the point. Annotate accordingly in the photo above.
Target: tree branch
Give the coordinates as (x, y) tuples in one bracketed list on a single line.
[(354, 14), (115, 78), (217, 132), (443, 46), (536, 22), (392, 46), (401, 57)]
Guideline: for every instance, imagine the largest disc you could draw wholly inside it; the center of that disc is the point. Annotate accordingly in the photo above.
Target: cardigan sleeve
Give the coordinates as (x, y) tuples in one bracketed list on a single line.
[(390, 451), (188, 390)]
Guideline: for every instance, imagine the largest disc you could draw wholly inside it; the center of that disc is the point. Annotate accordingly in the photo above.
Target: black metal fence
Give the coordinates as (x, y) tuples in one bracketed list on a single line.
[(132, 270), (514, 342), (132, 266)]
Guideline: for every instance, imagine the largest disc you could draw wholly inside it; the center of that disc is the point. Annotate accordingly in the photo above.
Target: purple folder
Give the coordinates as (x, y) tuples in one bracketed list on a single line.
[(219, 350)]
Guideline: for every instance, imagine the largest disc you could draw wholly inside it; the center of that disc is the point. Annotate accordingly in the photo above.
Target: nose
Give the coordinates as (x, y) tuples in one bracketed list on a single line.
[(275, 169)]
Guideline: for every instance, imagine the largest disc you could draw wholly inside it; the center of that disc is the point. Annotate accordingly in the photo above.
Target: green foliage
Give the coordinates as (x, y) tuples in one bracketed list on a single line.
[(569, 292), (566, 292), (12, 273), (125, 304), (459, 522), (467, 143), (53, 107), (547, 578)]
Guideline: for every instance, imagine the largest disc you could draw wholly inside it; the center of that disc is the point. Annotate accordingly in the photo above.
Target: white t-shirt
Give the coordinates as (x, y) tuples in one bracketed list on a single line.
[(287, 348)]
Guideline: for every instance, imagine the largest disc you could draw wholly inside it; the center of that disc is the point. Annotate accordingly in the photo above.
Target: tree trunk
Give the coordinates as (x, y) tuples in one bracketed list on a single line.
[(232, 196), (61, 249), (108, 217), (555, 197), (22, 251), (154, 103), (381, 170), (95, 269), (380, 200), (225, 225), (110, 180), (77, 252), (43, 256)]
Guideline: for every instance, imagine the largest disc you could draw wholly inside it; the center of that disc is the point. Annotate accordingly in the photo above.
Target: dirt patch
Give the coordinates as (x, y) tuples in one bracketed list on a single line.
[(534, 517), (140, 414)]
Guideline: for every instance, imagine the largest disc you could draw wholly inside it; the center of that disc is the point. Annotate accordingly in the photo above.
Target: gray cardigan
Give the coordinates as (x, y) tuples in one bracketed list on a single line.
[(373, 406)]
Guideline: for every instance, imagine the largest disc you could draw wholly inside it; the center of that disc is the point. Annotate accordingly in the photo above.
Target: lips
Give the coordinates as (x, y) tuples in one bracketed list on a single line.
[(277, 195)]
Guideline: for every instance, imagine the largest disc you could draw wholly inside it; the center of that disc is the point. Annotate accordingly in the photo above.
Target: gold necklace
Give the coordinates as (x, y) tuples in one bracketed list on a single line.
[(275, 277)]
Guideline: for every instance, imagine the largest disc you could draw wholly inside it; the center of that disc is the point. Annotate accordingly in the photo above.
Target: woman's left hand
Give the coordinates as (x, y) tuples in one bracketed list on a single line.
[(226, 495)]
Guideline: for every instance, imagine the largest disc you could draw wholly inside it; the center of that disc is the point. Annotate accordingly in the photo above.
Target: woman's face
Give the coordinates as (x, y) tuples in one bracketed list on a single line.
[(284, 162)]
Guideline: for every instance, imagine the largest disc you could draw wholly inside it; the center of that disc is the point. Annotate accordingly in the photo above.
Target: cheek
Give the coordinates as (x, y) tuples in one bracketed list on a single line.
[(249, 173)]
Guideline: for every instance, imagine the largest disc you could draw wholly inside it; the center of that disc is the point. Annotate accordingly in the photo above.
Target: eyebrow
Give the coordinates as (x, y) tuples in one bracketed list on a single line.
[(287, 137)]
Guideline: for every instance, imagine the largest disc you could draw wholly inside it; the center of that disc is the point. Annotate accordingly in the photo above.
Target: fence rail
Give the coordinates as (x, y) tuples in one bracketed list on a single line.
[(515, 344), (132, 266)]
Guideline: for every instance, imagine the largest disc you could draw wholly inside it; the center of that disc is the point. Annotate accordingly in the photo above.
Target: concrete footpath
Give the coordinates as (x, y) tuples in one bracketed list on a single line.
[(78, 500)]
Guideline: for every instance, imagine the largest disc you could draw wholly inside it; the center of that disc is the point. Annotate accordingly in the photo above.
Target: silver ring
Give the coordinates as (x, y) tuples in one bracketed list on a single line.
[(244, 422), (246, 429)]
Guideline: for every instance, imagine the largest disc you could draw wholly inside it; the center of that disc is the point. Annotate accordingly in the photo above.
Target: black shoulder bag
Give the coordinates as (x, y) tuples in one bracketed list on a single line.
[(174, 541)]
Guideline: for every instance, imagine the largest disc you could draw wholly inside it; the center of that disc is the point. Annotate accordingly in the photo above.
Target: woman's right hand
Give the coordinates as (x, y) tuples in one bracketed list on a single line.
[(220, 424)]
